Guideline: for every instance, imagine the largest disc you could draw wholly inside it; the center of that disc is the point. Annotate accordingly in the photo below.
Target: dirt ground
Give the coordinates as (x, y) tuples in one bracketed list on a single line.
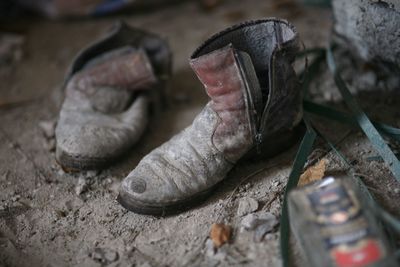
[(44, 222)]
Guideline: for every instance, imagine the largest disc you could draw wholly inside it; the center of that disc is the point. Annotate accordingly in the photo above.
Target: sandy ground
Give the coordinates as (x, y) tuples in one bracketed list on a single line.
[(44, 222)]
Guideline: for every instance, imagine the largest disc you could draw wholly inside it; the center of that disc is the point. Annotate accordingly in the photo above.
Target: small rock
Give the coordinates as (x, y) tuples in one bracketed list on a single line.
[(262, 230), (246, 206), (261, 222), (110, 256), (221, 255), (61, 172), (93, 173), (48, 128), (130, 249), (249, 221), (81, 186), (15, 198), (266, 224), (210, 249), (68, 205), (104, 256)]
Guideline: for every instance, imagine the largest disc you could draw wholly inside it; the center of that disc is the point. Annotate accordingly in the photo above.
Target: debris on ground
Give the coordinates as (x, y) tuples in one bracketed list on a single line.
[(81, 186), (210, 248), (104, 255), (220, 234), (261, 223), (48, 128), (246, 206), (313, 173), (29, 234)]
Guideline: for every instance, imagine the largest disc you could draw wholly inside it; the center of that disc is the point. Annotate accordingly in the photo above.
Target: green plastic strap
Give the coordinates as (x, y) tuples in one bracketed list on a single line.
[(298, 165), (365, 124), (346, 118)]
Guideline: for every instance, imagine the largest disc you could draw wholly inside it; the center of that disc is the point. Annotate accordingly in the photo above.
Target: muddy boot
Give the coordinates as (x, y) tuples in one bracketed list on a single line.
[(108, 90), (255, 106)]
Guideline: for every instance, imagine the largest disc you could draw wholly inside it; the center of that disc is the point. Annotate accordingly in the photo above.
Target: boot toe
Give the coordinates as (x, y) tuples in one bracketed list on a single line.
[(88, 146)]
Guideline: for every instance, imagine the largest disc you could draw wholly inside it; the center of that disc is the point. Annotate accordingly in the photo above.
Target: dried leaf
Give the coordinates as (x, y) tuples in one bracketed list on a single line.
[(313, 173), (220, 234)]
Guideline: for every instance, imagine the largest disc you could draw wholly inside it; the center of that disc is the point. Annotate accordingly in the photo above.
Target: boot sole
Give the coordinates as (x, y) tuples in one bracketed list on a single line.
[(140, 208), (285, 141), (71, 163)]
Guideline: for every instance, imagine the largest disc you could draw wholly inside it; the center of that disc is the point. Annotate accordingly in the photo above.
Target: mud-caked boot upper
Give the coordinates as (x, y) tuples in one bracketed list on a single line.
[(235, 67)]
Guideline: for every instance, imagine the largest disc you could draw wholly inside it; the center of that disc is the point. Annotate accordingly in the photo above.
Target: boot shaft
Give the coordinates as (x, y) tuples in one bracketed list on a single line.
[(248, 67)]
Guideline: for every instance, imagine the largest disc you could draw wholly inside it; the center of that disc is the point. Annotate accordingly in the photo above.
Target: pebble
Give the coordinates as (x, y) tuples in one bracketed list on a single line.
[(104, 256), (90, 174), (246, 206), (15, 198), (249, 221), (48, 128), (261, 222), (111, 256), (210, 249), (81, 186)]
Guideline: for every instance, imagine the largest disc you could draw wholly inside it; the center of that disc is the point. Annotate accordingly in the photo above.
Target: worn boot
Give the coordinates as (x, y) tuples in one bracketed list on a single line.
[(108, 90), (255, 106)]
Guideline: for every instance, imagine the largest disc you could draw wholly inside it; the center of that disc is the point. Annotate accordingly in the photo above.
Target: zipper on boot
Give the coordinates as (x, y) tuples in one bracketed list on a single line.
[(253, 94)]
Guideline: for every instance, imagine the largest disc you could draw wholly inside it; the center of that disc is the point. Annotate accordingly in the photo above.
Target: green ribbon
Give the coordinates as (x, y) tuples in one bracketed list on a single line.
[(363, 121), (297, 168), (343, 117)]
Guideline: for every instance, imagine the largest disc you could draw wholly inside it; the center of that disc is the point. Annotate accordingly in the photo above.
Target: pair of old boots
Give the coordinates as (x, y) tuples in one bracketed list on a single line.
[(254, 108)]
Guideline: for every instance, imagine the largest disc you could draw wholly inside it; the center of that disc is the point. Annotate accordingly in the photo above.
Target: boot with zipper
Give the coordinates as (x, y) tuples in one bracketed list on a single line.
[(254, 110)]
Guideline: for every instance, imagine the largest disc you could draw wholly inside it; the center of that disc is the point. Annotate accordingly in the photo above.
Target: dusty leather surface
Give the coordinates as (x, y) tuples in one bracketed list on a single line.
[(219, 72), (199, 157), (105, 110)]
